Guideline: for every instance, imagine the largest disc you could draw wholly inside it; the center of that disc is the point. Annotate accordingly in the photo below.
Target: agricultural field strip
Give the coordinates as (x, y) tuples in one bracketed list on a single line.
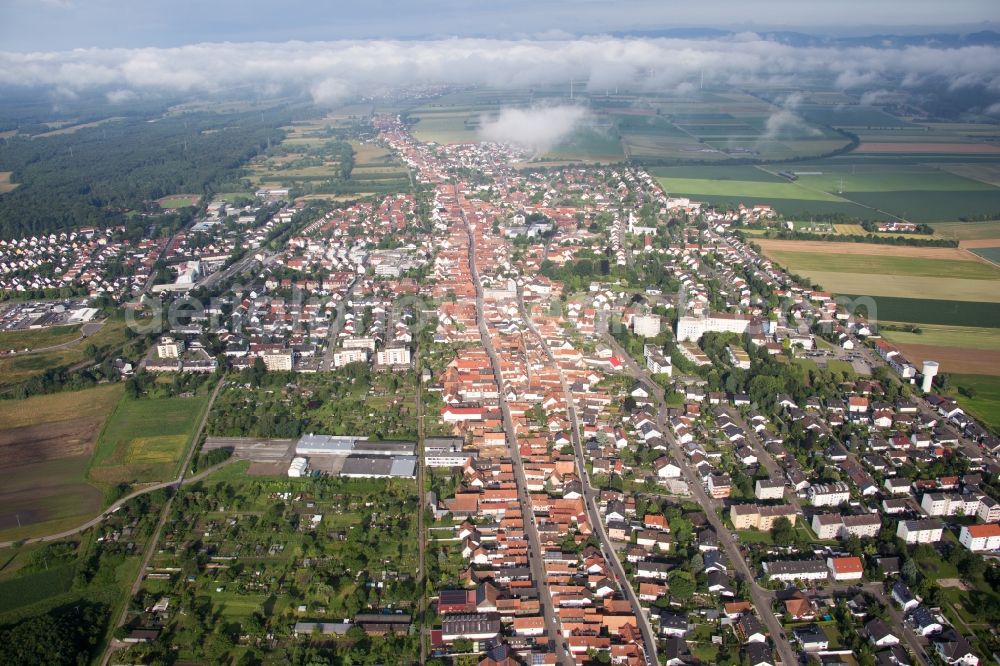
[(905, 286), (966, 337), (888, 265), (848, 248)]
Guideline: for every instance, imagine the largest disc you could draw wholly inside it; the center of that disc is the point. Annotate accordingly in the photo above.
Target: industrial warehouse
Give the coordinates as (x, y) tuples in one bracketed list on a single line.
[(325, 455)]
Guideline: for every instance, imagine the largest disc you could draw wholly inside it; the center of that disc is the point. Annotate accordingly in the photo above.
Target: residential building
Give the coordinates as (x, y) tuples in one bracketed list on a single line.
[(979, 538)]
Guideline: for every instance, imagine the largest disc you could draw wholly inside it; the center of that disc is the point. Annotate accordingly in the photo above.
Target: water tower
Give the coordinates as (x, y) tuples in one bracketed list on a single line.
[(929, 371)]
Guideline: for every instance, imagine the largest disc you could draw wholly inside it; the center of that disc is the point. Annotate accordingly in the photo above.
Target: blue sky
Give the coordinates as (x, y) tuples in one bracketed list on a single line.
[(46, 25)]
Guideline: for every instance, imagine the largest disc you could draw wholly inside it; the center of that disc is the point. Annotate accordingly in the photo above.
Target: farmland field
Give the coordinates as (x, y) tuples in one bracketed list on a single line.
[(145, 439), (985, 403), (758, 190), (887, 264), (968, 231), (5, 184), (848, 248), (46, 444), (935, 311), (948, 336), (905, 286), (956, 359), (988, 253)]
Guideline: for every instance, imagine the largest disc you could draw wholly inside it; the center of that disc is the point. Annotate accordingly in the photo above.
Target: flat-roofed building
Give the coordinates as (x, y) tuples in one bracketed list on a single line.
[(930, 530)]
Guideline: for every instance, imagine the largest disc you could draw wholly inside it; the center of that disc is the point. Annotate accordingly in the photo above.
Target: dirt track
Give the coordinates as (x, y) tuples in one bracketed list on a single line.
[(871, 249)]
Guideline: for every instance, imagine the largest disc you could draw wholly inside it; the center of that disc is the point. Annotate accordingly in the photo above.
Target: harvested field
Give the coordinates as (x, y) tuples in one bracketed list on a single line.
[(906, 286), (980, 242), (49, 441), (960, 148), (46, 445), (955, 359), (984, 173), (5, 184), (59, 406), (832, 247)]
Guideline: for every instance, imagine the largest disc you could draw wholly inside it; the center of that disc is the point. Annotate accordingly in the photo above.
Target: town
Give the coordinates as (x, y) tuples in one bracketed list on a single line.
[(625, 435)]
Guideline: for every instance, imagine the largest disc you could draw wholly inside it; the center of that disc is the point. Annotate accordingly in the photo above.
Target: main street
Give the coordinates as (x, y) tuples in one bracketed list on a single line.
[(590, 498), (535, 560), (762, 599)]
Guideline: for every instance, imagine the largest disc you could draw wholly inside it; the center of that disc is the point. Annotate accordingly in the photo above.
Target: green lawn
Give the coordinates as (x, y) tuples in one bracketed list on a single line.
[(37, 338), (985, 403)]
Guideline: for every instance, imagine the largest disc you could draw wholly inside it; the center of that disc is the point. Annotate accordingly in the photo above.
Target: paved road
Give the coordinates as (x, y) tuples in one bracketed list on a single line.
[(590, 499), (534, 543), (337, 325), (761, 597)]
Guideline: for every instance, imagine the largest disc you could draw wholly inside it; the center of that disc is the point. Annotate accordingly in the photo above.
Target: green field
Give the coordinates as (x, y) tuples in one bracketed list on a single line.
[(145, 439), (16, 369), (741, 173), (988, 253), (985, 403), (759, 190), (934, 311), (885, 265), (38, 338), (905, 286), (947, 336), (968, 230)]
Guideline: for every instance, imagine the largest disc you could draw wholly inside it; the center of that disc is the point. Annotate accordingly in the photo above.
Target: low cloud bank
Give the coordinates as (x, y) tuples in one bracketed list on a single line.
[(333, 71), (536, 129)]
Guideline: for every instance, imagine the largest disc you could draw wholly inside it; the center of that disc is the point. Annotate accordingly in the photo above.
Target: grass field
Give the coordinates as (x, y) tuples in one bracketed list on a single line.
[(16, 369), (46, 444), (179, 201), (38, 338), (936, 311), (757, 190), (948, 336), (985, 403), (988, 253), (963, 231), (144, 440)]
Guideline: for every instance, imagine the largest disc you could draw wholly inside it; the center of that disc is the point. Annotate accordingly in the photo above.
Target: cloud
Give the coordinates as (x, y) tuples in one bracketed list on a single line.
[(332, 71), (873, 97), (786, 123), (537, 128)]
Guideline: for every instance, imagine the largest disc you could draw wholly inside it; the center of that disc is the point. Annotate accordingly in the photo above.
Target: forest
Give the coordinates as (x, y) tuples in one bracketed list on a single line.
[(97, 176)]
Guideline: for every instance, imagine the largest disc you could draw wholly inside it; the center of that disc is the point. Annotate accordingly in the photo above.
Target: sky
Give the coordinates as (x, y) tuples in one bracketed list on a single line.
[(59, 25)]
